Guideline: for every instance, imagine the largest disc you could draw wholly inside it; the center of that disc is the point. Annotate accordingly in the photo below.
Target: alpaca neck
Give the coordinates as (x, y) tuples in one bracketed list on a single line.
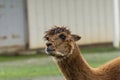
[(75, 67)]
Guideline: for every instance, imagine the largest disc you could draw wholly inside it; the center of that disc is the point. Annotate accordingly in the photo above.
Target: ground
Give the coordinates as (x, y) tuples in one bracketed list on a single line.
[(36, 78), (43, 68)]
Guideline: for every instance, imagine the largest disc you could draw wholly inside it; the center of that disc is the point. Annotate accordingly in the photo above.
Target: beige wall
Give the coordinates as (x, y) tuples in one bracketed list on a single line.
[(92, 19), (12, 24)]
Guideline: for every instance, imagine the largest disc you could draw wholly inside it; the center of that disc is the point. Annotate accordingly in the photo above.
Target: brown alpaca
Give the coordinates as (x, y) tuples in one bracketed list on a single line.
[(61, 45)]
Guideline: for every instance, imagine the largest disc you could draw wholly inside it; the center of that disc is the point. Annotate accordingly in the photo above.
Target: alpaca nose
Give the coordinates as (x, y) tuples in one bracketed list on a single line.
[(48, 44)]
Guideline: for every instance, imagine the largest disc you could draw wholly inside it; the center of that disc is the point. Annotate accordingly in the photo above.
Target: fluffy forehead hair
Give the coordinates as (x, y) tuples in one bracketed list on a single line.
[(56, 30)]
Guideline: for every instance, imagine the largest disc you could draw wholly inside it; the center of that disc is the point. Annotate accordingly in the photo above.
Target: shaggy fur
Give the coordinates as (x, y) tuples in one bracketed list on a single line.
[(61, 45)]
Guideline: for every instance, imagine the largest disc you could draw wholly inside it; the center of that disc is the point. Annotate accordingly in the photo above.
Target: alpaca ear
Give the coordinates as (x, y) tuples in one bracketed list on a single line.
[(76, 37)]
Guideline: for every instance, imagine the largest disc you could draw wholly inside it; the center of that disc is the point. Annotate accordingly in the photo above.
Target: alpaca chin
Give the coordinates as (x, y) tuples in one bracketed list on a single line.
[(60, 54), (54, 53)]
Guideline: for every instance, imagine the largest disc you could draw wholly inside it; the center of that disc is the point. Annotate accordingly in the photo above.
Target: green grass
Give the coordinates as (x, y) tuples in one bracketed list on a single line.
[(37, 65), (27, 71), (98, 49), (19, 57), (26, 66)]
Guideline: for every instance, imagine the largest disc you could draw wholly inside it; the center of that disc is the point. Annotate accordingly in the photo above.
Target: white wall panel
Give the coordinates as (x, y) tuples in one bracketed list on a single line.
[(92, 19), (12, 24)]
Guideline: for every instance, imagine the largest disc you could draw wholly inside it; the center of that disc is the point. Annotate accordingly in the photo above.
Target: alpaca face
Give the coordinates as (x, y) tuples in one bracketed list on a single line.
[(59, 42)]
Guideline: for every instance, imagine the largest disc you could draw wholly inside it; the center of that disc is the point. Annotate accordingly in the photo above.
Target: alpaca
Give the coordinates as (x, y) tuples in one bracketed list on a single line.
[(61, 44)]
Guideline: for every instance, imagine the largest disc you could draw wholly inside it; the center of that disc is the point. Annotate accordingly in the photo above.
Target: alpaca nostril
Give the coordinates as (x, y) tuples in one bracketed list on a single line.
[(48, 44)]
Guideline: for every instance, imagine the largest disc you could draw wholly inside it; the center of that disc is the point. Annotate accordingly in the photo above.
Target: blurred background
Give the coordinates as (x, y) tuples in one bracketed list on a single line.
[(22, 27)]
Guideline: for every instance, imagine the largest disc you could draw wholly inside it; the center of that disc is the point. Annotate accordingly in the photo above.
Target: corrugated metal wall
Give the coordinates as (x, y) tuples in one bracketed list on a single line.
[(12, 24), (92, 19)]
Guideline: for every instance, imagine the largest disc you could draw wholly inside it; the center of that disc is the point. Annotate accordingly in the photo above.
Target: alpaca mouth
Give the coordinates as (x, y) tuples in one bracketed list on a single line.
[(53, 52), (50, 50)]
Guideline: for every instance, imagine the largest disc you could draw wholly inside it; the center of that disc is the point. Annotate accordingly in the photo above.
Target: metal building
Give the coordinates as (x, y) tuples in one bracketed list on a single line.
[(23, 22)]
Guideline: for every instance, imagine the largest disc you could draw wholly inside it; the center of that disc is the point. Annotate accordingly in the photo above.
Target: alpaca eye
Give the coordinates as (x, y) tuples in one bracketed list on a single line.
[(47, 38), (62, 36)]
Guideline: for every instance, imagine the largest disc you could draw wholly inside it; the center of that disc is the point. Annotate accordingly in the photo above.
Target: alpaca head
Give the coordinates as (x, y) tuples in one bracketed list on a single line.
[(60, 41)]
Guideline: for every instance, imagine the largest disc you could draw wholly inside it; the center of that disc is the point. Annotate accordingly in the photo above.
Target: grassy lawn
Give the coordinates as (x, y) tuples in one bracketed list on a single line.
[(37, 66), (26, 66)]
